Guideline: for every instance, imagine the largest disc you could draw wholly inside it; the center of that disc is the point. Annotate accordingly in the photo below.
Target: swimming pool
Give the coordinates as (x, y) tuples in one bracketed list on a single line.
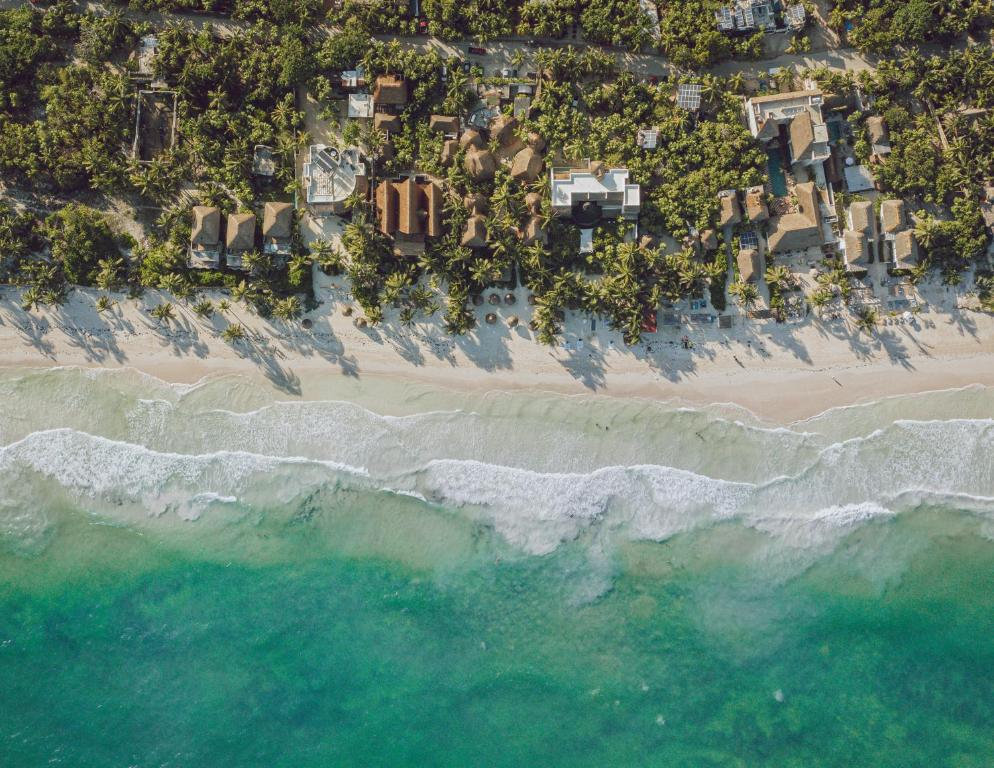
[(778, 181)]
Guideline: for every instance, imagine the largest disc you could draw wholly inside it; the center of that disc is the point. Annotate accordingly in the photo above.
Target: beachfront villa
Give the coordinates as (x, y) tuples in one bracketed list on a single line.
[(331, 176), (593, 184), (205, 238), (792, 120)]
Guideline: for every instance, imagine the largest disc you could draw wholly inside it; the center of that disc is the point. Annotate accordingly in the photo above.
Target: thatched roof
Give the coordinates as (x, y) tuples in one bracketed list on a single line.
[(390, 89), (892, 216), (730, 212), (240, 235), (535, 232), (480, 164), (277, 220), (476, 203), (471, 138), (748, 261), (502, 128), (443, 124), (533, 202), (475, 234), (527, 165), (206, 225), (449, 149), (383, 121)]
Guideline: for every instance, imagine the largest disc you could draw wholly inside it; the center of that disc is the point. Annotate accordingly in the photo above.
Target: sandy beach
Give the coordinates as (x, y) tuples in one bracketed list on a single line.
[(782, 373)]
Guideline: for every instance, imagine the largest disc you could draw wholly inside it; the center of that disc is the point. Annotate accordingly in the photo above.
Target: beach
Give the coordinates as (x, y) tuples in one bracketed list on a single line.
[(780, 372), (336, 545)]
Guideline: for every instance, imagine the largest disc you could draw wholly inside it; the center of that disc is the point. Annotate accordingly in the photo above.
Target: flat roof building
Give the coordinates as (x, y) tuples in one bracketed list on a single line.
[(608, 187)]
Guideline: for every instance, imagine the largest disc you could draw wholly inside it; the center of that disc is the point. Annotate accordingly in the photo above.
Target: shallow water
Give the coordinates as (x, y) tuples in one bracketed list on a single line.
[(398, 576)]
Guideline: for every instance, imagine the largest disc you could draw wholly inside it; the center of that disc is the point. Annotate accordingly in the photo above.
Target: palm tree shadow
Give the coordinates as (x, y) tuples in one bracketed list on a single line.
[(33, 332), (587, 366)]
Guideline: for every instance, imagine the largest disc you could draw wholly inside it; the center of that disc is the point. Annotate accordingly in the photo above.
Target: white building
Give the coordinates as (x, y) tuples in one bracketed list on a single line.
[(360, 105), (330, 175), (608, 187), (800, 113)]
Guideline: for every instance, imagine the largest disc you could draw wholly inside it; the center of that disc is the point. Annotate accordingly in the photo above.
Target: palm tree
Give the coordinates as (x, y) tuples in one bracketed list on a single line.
[(104, 303), (163, 313), (866, 319), (287, 309), (745, 293), (234, 332), (204, 309), (779, 276)]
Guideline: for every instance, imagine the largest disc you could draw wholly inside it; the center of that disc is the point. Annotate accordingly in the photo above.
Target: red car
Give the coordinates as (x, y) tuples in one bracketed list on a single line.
[(477, 51)]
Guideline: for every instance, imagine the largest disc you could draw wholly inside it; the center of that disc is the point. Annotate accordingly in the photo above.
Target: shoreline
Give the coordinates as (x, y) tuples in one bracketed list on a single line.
[(780, 374)]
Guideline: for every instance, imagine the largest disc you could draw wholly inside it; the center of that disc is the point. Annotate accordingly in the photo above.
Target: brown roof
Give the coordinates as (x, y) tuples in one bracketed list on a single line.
[(892, 215), (861, 215), (206, 225), (476, 202), (390, 89), (475, 234), (527, 165), (748, 260), (408, 221), (709, 240), (730, 213), (857, 251), (443, 124), (432, 194), (471, 138), (877, 130), (277, 219), (386, 204), (774, 97), (801, 230), (533, 202), (449, 149), (905, 249), (480, 164), (240, 235), (535, 232), (386, 122), (802, 134), (502, 129), (756, 205)]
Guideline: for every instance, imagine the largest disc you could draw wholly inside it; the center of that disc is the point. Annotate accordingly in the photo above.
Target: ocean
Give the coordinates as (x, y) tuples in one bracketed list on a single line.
[(389, 575)]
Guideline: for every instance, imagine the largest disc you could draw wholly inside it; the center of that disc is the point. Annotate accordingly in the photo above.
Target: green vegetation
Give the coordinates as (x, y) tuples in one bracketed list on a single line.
[(883, 25)]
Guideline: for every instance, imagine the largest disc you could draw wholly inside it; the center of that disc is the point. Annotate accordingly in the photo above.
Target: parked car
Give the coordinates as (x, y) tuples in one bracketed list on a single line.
[(477, 51)]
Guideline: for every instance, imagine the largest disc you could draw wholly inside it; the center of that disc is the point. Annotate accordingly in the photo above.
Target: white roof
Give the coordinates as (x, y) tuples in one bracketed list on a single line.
[(859, 178), (360, 105), (329, 174), (648, 138), (689, 96)]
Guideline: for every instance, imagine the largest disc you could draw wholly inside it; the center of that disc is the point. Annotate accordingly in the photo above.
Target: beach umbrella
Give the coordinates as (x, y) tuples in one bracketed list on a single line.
[(491, 318), (494, 298), (477, 300), (361, 322), (347, 311), (513, 321), (531, 299), (307, 323), (510, 299)]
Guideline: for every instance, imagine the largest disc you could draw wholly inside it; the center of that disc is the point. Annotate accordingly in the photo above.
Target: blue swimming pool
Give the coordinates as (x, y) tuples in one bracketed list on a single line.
[(778, 181)]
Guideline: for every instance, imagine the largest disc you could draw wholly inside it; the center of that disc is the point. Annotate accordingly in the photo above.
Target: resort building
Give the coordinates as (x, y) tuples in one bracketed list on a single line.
[(444, 124), (748, 263), (756, 208), (360, 106), (905, 249), (793, 119), (239, 238), (595, 183), (746, 16), (876, 129), (892, 218), (330, 176), (527, 165), (801, 229), (277, 229), (859, 241), (409, 211), (731, 213), (205, 238), (390, 90)]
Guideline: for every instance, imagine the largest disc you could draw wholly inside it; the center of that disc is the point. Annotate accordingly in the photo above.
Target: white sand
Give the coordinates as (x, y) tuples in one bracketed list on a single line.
[(780, 372)]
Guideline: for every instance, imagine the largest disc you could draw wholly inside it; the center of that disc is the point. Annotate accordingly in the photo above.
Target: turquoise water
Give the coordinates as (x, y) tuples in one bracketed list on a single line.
[(778, 181), (424, 587)]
